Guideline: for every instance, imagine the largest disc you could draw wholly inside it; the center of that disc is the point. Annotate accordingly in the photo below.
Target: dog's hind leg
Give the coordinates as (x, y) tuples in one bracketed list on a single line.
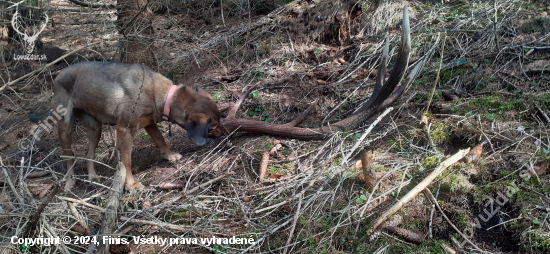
[(65, 132), (93, 130), (156, 135)]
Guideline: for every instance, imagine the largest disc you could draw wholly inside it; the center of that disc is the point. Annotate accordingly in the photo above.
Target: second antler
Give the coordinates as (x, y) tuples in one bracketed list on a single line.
[(382, 96)]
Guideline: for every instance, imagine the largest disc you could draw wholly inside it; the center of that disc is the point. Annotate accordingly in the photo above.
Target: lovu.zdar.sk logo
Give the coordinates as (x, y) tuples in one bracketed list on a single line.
[(28, 40)]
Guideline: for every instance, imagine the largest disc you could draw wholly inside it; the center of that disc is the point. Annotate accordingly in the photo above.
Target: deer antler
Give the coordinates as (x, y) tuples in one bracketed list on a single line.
[(28, 40), (43, 26), (14, 25), (382, 96)]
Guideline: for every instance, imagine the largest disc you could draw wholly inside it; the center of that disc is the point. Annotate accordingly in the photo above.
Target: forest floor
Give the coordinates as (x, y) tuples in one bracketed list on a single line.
[(494, 84)]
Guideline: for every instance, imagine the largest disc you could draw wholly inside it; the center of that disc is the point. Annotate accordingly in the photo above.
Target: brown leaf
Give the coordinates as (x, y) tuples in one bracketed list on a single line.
[(374, 73), (540, 169), (146, 205), (276, 176), (247, 198), (79, 229), (342, 61), (475, 154), (321, 82), (44, 192)]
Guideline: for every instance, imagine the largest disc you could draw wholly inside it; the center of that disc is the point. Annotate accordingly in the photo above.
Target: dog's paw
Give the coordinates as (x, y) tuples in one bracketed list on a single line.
[(69, 184), (135, 186), (171, 156)]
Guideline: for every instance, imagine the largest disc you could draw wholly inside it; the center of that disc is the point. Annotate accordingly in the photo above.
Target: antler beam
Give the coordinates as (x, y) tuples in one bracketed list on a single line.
[(382, 96)]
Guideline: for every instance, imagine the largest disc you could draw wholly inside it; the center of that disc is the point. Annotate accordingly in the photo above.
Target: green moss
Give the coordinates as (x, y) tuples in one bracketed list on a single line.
[(491, 104), (438, 132), (460, 219), (432, 247), (430, 163), (446, 76), (540, 240), (451, 181)]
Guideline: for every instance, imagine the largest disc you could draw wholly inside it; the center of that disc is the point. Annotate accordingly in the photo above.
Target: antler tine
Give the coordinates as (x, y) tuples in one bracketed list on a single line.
[(402, 63), (14, 23), (382, 70), (235, 107), (403, 85), (44, 26), (303, 115), (382, 92)]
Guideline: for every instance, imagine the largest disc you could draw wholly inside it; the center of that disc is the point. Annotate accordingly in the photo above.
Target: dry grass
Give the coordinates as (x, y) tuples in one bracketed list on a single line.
[(311, 191)]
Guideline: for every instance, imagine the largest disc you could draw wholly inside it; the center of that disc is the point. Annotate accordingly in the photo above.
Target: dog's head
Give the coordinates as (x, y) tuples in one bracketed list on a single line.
[(196, 111)]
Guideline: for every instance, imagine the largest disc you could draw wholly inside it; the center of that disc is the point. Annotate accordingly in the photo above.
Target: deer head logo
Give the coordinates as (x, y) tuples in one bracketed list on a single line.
[(28, 41)]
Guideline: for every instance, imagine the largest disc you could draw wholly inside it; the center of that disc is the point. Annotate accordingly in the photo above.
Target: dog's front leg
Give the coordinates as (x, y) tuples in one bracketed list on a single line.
[(125, 140), (156, 135)]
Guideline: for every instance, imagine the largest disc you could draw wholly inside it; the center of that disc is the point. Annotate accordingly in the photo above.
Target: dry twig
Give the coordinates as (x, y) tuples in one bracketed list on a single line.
[(418, 188)]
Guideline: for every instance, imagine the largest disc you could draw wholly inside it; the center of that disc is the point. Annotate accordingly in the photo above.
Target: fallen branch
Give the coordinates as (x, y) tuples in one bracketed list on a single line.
[(418, 188), (31, 224), (83, 4), (110, 215), (368, 170), (424, 118), (84, 203), (173, 200), (12, 187), (38, 173), (61, 246), (294, 224), (79, 218), (543, 114)]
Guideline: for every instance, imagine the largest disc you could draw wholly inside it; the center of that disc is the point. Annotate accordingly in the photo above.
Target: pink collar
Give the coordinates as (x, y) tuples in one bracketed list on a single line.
[(166, 112)]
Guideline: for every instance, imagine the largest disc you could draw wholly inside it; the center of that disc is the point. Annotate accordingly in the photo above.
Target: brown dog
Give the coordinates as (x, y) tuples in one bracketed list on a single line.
[(130, 97)]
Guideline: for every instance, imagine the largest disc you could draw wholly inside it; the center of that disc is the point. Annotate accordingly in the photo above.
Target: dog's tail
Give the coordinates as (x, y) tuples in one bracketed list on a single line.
[(64, 110), (39, 117)]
